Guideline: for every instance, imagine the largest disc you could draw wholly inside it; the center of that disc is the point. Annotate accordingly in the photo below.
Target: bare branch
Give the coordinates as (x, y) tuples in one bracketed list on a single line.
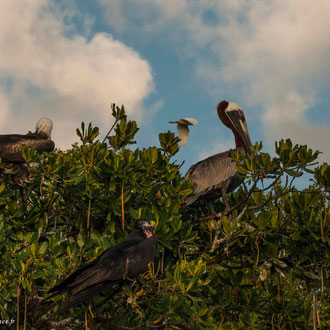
[(116, 121), (226, 212)]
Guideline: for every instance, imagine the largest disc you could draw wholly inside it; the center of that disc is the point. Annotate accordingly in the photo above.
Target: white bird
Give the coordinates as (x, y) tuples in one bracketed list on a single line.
[(183, 129)]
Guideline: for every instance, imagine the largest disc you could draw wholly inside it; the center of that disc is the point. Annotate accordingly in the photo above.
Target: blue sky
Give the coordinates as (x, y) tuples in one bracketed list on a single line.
[(165, 60)]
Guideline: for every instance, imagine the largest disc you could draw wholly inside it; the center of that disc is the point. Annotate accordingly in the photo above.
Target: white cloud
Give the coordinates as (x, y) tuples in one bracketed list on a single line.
[(280, 58), (267, 55), (216, 148), (4, 109), (47, 69)]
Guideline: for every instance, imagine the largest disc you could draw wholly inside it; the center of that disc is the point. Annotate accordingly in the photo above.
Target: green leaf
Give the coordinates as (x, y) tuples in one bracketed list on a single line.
[(43, 248), (2, 186), (191, 283), (294, 173), (81, 239), (154, 155), (241, 169)]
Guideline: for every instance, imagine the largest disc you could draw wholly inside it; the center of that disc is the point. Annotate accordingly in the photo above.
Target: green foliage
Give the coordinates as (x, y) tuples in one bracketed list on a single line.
[(259, 266)]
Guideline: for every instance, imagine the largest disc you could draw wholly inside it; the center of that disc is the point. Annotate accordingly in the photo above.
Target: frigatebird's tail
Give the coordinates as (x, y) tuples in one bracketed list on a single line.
[(83, 296)]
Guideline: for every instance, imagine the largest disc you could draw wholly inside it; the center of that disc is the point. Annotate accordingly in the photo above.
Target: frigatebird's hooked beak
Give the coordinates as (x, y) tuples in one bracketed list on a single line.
[(145, 226)]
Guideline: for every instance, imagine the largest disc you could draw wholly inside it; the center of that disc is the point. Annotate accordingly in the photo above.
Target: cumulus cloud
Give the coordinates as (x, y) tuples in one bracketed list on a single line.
[(4, 110), (272, 57), (279, 56), (48, 69), (216, 147)]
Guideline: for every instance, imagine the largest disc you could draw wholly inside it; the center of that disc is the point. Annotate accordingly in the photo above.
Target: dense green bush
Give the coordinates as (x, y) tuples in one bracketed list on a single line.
[(263, 265)]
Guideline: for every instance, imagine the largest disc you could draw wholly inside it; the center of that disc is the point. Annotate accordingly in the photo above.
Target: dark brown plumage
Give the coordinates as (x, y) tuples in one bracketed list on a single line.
[(10, 148), (216, 176), (10, 144), (126, 259)]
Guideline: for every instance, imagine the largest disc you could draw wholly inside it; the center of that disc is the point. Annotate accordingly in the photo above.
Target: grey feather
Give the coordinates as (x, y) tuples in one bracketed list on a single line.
[(213, 177)]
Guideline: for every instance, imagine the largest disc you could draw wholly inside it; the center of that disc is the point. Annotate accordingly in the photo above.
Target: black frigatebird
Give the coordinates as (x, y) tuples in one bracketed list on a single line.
[(124, 260)]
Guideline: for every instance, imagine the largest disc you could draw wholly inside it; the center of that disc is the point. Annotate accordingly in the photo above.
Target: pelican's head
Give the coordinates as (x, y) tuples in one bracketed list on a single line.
[(232, 116), (44, 127)]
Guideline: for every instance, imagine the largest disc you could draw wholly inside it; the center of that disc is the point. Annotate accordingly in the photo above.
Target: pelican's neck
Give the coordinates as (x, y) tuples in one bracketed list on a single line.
[(238, 140)]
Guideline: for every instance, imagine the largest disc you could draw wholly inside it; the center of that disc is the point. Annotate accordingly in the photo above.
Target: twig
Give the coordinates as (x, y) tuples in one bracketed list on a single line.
[(122, 208), (286, 223), (226, 212), (157, 271), (146, 324), (272, 184), (257, 207), (88, 217), (18, 295), (291, 181), (62, 323), (314, 309), (116, 121), (181, 164), (217, 241), (25, 309), (241, 214), (163, 257), (248, 265), (86, 319)]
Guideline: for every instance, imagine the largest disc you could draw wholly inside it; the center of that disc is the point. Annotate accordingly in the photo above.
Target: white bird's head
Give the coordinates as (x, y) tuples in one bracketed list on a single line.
[(44, 126)]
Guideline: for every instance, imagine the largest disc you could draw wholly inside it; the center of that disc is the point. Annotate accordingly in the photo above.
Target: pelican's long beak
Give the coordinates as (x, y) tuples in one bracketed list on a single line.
[(237, 118)]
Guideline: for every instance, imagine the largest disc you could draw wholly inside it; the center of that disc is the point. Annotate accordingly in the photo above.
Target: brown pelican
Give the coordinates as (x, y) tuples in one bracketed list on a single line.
[(183, 129), (216, 176), (124, 260), (10, 146)]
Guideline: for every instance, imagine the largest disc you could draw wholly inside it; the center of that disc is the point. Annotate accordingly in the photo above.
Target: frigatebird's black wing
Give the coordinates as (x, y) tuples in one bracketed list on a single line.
[(126, 259)]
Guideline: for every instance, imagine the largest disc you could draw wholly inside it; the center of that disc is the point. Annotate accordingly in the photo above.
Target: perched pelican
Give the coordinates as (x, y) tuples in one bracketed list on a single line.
[(10, 146), (124, 260), (216, 176), (183, 129)]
